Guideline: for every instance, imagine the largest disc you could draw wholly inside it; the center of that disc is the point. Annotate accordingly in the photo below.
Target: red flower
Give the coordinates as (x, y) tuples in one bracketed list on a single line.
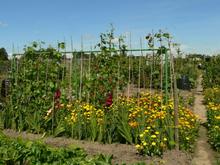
[(109, 101), (57, 94)]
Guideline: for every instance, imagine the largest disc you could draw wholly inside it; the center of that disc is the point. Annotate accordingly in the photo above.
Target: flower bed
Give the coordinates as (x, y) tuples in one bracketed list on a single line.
[(145, 122), (213, 115)]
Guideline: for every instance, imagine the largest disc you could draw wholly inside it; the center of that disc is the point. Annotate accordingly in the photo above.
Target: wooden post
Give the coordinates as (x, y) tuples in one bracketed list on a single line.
[(176, 109)]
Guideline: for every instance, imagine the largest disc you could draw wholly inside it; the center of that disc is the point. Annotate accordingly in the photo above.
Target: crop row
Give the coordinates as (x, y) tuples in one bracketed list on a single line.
[(213, 114), (142, 121), (211, 83), (18, 151)]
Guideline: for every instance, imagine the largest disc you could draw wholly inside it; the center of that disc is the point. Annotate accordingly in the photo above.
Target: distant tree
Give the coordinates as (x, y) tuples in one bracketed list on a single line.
[(3, 55)]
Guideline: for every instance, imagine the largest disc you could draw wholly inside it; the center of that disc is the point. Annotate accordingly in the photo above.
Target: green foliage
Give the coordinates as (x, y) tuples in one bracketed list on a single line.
[(211, 83), (34, 79), (3, 55), (108, 43), (122, 124), (109, 69), (105, 76), (211, 76), (187, 67), (4, 66), (161, 61), (212, 95), (213, 116), (17, 151)]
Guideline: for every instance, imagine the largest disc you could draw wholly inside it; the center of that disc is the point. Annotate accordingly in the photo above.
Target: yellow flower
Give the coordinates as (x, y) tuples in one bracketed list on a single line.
[(133, 124), (69, 105), (165, 139), (157, 133), (153, 136), (141, 135), (61, 105), (162, 145), (187, 138), (139, 147), (153, 143), (49, 111)]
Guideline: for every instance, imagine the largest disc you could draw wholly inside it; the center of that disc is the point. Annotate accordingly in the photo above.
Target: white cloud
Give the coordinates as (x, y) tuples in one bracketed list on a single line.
[(2, 24)]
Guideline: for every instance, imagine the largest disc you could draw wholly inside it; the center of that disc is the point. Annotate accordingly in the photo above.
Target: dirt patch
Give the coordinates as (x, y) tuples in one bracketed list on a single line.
[(122, 153), (199, 107), (203, 153)]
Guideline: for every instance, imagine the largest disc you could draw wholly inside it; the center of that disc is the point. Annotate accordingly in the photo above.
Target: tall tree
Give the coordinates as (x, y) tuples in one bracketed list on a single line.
[(3, 55)]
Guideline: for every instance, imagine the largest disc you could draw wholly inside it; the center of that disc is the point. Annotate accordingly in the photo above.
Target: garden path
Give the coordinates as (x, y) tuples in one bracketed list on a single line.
[(204, 155)]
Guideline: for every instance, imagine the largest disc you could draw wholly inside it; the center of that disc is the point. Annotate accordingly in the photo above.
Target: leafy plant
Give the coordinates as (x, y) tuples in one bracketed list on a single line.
[(211, 72), (17, 151)]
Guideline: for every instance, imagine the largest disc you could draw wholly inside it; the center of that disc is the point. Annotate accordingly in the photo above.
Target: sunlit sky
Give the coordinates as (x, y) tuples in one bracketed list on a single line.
[(195, 24)]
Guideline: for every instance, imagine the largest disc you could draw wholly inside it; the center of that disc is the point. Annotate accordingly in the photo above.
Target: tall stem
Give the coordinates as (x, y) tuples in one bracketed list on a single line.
[(139, 72), (176, 110), (161, 68), (81, 70), (166, 78), (129, 68), (70, 72)]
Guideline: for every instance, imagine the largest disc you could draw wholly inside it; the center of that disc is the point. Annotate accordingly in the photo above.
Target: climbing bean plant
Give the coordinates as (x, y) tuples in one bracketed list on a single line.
[(34, 79)]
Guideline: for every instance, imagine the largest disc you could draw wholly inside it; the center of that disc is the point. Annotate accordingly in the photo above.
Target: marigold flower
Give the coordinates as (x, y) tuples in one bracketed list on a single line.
[(138, 146), (141, 135), (153, 136), (144, 143), (157, 133), (153, 143)]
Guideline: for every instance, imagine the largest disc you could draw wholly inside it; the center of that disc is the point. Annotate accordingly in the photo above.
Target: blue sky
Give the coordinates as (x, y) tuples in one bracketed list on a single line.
[(194, 23)]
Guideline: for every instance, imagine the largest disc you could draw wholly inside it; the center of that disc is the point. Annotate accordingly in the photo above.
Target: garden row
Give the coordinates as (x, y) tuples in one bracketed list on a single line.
[(211, 83), (213, 115), (18, 151), (143, 121)]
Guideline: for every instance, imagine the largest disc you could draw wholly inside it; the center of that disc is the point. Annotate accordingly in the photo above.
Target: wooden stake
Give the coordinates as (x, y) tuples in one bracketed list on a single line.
[(176, 109), (81, 70), (129, 69)]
